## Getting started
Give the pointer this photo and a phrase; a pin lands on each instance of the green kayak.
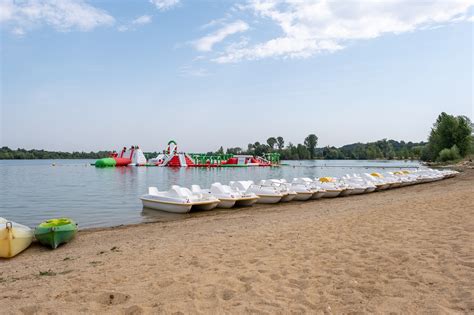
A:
(56, 231)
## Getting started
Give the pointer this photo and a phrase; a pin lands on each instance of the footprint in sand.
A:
(133, 310)
(112, 298)
(30, 310)
(228, 294)
(275, 277)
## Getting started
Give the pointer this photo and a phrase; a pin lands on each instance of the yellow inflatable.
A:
(376, 175)
(326, 179)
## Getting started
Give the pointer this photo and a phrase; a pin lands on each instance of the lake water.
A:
(32, 191)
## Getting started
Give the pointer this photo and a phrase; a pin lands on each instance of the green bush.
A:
(449, 154)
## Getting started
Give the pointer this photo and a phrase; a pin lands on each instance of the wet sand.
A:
(407, 250)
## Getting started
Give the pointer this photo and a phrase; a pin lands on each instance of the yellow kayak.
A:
(14, 238)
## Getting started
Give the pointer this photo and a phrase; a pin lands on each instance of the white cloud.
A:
(62, 15)
(141, 20)
(212, 23)
(315, 26)
(163, 5)
(207, 42)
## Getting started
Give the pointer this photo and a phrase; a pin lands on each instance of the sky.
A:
(100, 75)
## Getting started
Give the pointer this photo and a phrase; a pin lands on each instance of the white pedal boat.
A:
(317, 191)
(14, 238)
(227, 196)
(177, 200)
(266, 194)
(303, 192)
(360, 182)
(378, 180)
(282, 186)
(329, 184)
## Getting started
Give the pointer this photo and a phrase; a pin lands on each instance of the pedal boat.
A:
(330, 186)
(227, 197)
(266, 194)
(378, 180)
(317, 191)
(303, 192)
(177, 200)
(282, 187)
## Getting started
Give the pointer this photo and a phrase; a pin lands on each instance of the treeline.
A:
(382, 149)
(21, 154)
(451, 138)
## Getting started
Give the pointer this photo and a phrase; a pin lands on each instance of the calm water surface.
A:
(34, 190)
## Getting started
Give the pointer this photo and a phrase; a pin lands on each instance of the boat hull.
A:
(269, 198)
(246, 202)
(12, 244)
(288, 197)
(206, 206)
(303, 196)
(382, 187)
(55, 232)
(318, 195)
(346, 192)
(370, 189)
(226, 203)
(332, 193)
(55, 238)
(168, 207)
(358, 191)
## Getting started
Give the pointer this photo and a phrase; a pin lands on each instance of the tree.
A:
(260, 149)
(280, 143)
(235, 151)
(292, 153)
(302, 152)
(271, 142)
(310, 142)
(447, 131)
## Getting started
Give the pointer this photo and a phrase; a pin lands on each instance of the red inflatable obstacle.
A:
(132, 156)
(172, 158)
(120, 160)
(180, 160)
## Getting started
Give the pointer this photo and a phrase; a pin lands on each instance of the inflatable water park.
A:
(172, 157)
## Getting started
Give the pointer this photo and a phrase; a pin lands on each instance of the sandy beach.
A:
(407, 250)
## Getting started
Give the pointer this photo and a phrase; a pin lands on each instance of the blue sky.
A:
(90, 75)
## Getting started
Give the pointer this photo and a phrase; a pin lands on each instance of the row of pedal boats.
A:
(246, 193)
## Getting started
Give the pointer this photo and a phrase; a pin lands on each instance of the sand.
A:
(408, 250)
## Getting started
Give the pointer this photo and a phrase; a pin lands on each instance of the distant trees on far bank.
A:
(382, 149)
(21, 154)
(451, 138)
